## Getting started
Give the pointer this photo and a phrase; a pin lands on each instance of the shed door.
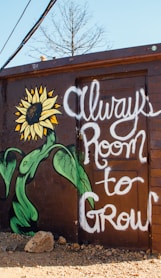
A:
(113, 141)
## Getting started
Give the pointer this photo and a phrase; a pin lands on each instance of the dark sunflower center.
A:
(33, 113)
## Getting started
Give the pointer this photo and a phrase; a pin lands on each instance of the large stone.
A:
(40, 242)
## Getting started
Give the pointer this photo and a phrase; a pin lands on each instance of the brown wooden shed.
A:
(80, 148)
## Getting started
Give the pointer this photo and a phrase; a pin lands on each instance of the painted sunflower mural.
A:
(37, 116)
(37, 113)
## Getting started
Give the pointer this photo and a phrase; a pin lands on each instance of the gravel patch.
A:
(73, 260)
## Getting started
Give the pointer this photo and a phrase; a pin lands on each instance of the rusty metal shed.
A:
(80, 148)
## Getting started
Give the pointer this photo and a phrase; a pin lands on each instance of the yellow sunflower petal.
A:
(57, 105)
(47, 113)
(17, 113)
(45, 131)
(50, 94)
(32, 92)
(28, 95)
(49, 103)
(22, 136)
(46, 123)
(25, 103)
(29, 137)
(18, 127)
(21, 119)
(35, 98)
(22, 110)
(32, 131)
(57, 111)
(41, 90)
(38, 129)
(23, 126)
(53, 120)
(26, 132)
(43, 97)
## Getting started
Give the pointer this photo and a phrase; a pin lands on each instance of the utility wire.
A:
(30, 33)
(14, 27)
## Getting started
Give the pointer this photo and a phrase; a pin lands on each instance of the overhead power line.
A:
(30, 33)
(14, 27)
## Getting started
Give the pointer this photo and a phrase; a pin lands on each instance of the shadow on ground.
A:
(65, 256)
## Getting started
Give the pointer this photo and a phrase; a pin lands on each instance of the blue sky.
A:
(128, 23)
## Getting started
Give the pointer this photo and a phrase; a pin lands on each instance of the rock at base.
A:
(62, 240)
(40, 242)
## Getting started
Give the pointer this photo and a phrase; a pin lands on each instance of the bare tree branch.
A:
(69, 33)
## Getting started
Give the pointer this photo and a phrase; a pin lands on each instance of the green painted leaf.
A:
(7, 168)
(16, 225)
(66, 163)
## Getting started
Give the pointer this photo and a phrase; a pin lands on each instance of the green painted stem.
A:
(25, 212)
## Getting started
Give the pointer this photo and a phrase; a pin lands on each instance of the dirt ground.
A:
(74, 261)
